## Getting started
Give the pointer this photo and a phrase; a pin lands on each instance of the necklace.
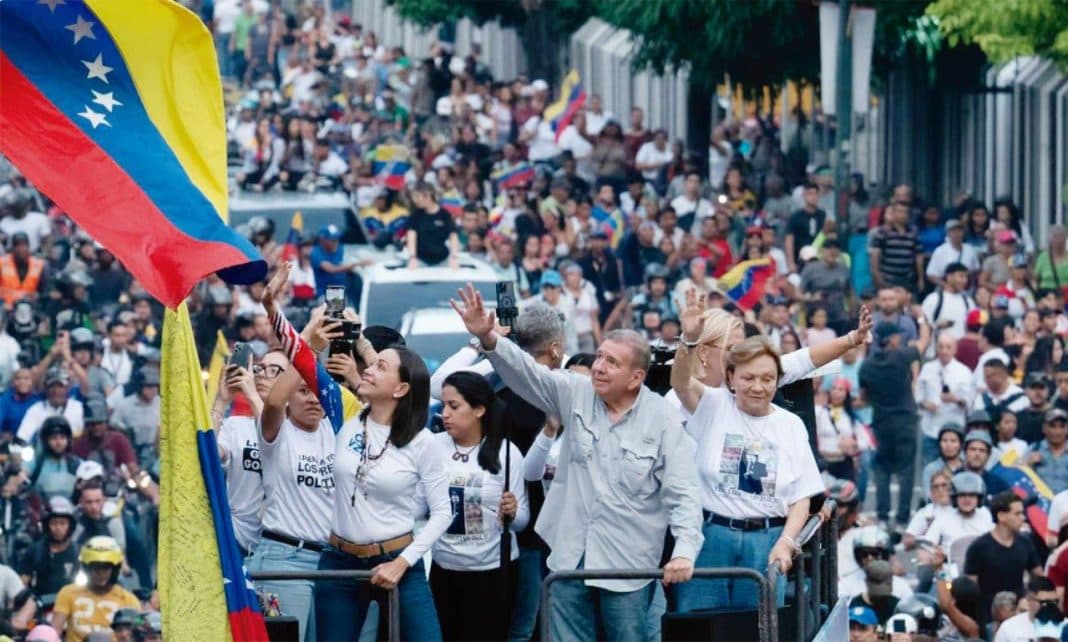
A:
(463, 456)
(367, 462)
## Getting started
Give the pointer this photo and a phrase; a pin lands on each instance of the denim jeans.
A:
(527, 595)
(579, 612)
(657, 608)
(863, 471)
(341, 605)
(728, 547)
(294, 596)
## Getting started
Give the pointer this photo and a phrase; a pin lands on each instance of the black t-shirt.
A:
(48, 571)
(1029, 425)
(999, 568)
(887, 381)
(805, 227)
(432, 234)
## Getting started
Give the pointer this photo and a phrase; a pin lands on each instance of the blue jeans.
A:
(527, 595)
(863, 468)
(294, 596)
(657, 608)
(580, 612)
(727, 547)
(341, 605)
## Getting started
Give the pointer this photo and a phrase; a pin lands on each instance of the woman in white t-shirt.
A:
(384, 456)
(837, 431)
(757, 470)
(485, 487)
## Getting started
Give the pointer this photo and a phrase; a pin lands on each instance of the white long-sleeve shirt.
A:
(934, 375)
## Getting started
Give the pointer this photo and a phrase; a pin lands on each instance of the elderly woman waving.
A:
(757, 471)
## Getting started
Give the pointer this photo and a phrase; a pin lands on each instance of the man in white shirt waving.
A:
(944, 391)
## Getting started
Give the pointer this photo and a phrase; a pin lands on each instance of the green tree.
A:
(1005, 29)
(543, 25)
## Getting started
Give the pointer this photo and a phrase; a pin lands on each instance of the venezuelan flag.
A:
(1026, 484)
(390, 164)
(611, 223)
(744, 283)
(452, 203)
(204, 590)
(572, 98)
(521, 173)
(113, 108)
(393, 221)
(291, 250)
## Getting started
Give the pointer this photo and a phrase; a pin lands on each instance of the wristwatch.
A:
(475, 344)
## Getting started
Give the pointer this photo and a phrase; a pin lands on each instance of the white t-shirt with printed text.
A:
(298, 480)
(240, 441)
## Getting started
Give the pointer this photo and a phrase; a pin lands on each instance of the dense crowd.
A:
(928, 338)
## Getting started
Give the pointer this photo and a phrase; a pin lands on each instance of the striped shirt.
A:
(897, 254)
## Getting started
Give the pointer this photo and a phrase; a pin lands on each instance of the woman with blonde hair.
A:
(719, 330)
(756, 469)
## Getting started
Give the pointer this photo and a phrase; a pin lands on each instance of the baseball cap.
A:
(879, 578)
(979, 435)
(955, 267)
(953, 224)
(551, 278)
(96, 412)
(976, 319)
(539, 85)
(1055, 414)
(807, 253)
(1005, 236)
(1001, 301)
(89, 469)
(331, 232)
(1035, 379)
(863, 615)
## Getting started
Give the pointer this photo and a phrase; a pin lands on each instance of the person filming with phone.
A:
(630, 476)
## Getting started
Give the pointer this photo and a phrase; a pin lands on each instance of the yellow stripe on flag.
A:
(190, 573)
(215, 367)
(558, 107)
(183, 97)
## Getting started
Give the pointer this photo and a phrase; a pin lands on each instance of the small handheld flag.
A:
(745, 283)
(572, 98)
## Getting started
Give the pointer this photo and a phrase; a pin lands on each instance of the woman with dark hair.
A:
(837, 431)
(976, 226)
(262, 159)
(487, 495)
(384, 457)
(298, 150)
(1046, 356)
(609, 157)
(1008, 215)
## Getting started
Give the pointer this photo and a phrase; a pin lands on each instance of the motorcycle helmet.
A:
(261, 226)
(843, 492)
(923, 608)
(58, 507)
(871, 541)
(967, 483)
(126, 617)
(55, 425)
(150, 628)
(655, 271)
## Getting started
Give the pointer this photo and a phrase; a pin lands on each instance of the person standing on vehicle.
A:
(630, 475)
(432, 238)
(330, 267)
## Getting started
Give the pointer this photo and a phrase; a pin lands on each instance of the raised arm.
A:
(549, 391)
(685, 385)
(827, 352)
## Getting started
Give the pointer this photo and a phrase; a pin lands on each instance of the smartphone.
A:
(507, 308)
(335, 301)
(240, 357)
(945, 389)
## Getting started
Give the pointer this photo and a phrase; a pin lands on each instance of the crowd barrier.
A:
(814, 580)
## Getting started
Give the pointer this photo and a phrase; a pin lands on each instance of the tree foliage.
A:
(1005, 29)
(566, 15)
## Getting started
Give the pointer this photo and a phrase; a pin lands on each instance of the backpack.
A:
(995, 409)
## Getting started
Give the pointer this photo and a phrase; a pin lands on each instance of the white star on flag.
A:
(51, 4)
(94, 118)
(97, 68)
(107, 101)
(82, 29)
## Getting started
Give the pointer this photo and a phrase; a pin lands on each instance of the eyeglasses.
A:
(270, 371)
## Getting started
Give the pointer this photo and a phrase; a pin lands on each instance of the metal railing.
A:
(393, 616)
(767, 623)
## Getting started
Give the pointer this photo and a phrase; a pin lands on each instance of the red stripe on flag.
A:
(72, 170)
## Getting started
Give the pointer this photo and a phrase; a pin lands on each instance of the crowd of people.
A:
(638, 413)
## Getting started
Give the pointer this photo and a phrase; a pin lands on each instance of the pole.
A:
(843, 115)
(506, 522)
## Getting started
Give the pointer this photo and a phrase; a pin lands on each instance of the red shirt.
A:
(112, 452)
(724, 262)
(1057, 571)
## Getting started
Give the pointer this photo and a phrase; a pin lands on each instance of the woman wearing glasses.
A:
(240, 401)
(301, 416)
(384, 460)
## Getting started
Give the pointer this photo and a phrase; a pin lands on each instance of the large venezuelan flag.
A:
(1027, 485)
(204, 591)
(744, 283)
(113, 108)
(572, 98)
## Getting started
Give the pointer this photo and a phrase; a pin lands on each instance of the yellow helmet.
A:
(101, 550)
